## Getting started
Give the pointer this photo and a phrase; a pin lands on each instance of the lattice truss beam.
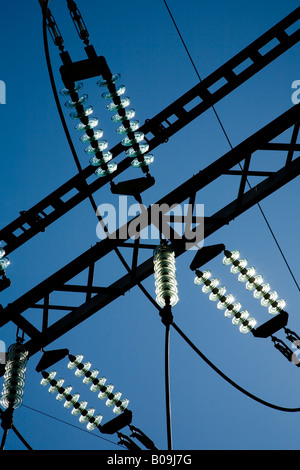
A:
(157, 130)
(97, 297)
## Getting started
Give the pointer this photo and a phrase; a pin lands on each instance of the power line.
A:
(167, 387)
(231, 146)
(231, 382)
(69, 424)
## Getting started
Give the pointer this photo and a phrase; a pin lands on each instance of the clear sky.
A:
(125, 341)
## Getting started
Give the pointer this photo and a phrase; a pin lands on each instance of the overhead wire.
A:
(167, 388)
(230, 381)
(69, 424)
(231, 146)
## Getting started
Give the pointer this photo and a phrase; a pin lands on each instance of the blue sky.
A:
(125, 341)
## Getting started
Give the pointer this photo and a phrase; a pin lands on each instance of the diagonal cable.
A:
(167, 387)
(231, 382)
(229, 142)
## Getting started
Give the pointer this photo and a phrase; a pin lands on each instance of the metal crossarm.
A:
(186, 191)
(158, 130)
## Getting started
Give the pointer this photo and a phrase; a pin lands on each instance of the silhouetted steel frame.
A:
(157, 130)
(188, 189)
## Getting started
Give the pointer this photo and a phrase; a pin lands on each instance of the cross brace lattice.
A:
(186, 191)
